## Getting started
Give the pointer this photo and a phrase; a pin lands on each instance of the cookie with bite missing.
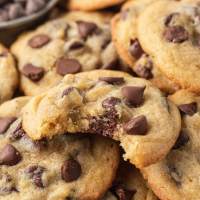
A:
(169, 32)
(88, 5)
(63, 167)
(177, 176)
(109, 103)
(8, 74)
(125, 37)
(76, 42)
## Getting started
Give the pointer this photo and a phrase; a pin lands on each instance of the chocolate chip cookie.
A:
(130, 185)
(65, 167)
(108, 103)
(169, 32)
(124, 32)
(8, 75)
(88, 5)
(76, 42)
(177, 176)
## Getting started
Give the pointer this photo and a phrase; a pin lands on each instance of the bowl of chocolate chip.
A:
(17, 15)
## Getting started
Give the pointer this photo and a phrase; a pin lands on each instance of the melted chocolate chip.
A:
(110, 102)
(135, 49)
(113, 80)
(86, 28)
(17, 133)
(9, 155)
(5, 122)
(136, 126)
(67, 66)
(76, 45)
(39, 41)
(67, 91)
(176, 34)
(124, 194)
(143, 71)
(189, 109)
(169, 18)
(35, 172)
(70, 170)
(133, 95)
(182, 140)
(105, 124)
(32, 72)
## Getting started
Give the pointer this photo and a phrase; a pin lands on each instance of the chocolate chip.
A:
(113, 80)
(33, 6)
(137, 126)
(124, 194)
(32, 72)
(9, 155)
(86, 28)
(133, 95)
(189, 109)
(175, 34)
(135, 49)
(76, 45)
(110, 102)
(169, 18)
(105, 124)
(143, 71)
(70, 170)
(17, 133)
(3, 15)
(67, 66)
(35, 172)
(15, 11)
(5, 122)
(182, 140)
(67, 91)
(39, 41)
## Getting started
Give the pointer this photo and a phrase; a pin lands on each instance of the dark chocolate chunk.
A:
(18, 132)
(67, 66)
(76, 45)
(110, 102)
(113, 80)
(136, 126)
(70, 170)
(5, 122)
(135, 49)
(39, 41)
(9, 155)
(176, 34)
(32, 72)
(189, 109)
(67, 91)
(86, 28)
(133, 95)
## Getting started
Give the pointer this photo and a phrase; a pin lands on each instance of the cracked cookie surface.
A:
(179, 172)
(108, 103)
(125, 37)
(65, 167)
(171, 36)
(78, 41)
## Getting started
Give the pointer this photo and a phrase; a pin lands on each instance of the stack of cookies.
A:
(103, 103)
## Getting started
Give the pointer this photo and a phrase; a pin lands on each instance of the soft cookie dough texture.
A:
(65, 167)
(108, 103)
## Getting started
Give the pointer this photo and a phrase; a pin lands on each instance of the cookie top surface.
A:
(130, 184)
(125, 37)
(76, 42)
(169, 31)
(108, 103)
(179, 172)
(8, 75)
(88, 5)
(65, 167)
